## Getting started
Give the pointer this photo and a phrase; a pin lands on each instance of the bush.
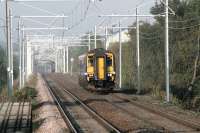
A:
(28, 92)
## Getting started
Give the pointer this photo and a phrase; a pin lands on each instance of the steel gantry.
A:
(166, 15)
(22, 43)
(62, 44)
(22, 47)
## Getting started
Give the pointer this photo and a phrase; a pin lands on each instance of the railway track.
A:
(15, 117)
(188, 123)
(69, 117)
(159, 120)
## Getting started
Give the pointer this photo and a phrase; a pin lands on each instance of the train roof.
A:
(97, 52)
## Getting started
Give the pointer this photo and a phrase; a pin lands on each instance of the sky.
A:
(77, 10)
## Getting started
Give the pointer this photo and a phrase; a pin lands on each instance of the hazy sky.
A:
(75, 9)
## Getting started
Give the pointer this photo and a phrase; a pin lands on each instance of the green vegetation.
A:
(3, 70)
(184, 54)
(3, 73)
(28, 92)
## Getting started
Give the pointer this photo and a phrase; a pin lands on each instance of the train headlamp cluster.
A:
(109, 74)
(88, 74)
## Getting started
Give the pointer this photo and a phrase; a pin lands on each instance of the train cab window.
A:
(109, 61)
(90, 61)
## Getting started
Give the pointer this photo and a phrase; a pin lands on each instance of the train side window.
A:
(109, 61)
(90, 61)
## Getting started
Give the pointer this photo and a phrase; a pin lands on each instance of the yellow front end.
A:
(101, 68)
(90, 67)
(110, 66)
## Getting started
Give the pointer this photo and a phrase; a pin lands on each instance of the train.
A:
(97, 70)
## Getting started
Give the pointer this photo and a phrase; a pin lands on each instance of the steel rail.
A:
(61, 109)
(90, 111)
(101, 120)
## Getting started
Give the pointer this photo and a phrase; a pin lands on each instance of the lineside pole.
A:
(67, 49)
(106, 37)
(95, 37)
(32, 59)
(20, 54)
(167, 50)
(11, 52)
(22, 50)
(138, 52)
(120, 57)
(7, 11)
(56, 61)
(10, 91)
(89, 42)
(23, 60)
(64, 60)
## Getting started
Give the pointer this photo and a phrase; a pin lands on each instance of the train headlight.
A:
(109, 75)
(85, 74)
(113, 73)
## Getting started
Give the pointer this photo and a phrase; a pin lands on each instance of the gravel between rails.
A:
(124, 121)
(46, 113)
(83, 120)
(99, 102)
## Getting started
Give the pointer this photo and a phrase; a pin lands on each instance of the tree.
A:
(184, 33)
(3, 73)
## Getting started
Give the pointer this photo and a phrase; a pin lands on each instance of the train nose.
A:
(101, 68)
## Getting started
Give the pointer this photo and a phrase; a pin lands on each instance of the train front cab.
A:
(110, 67)
(90, 67)
(100, 70)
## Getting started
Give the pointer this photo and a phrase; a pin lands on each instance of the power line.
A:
(150, 38)
(35, 21)
(82, 19)
(150, 33)
(184, 28)
(37, 8)
(184, 21)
